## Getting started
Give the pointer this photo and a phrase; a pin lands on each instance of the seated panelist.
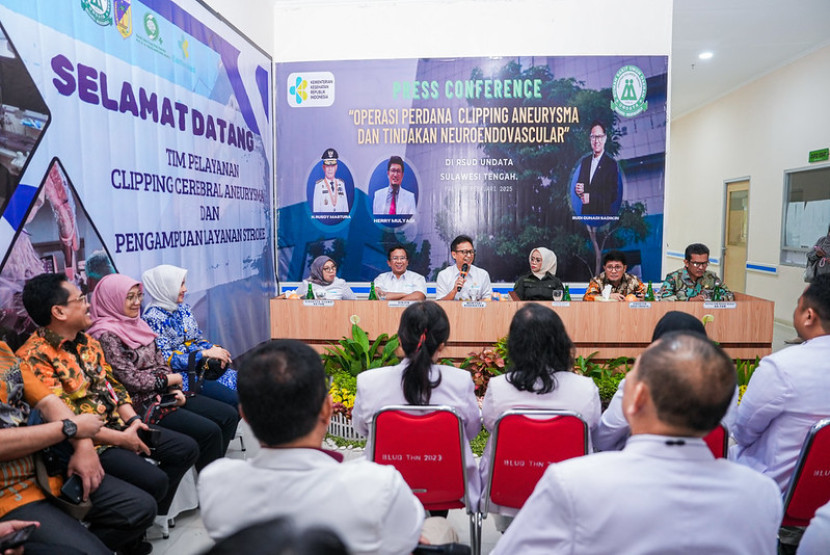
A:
(540, 283)
(693, 282)
(324, 281)
(614, 274)
(462, 281)
(400, 284)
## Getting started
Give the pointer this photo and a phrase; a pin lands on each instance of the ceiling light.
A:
(705, 55)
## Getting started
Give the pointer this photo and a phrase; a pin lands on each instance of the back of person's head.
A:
(423, 329)
(690, 379)
(281, 537)
(41, 293)
(675, 320)
(460, 239)
(817, 297)
(282, 386)
(614, 256)
(696, 248)
(539, 346)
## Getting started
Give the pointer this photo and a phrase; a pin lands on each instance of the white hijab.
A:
(162, 285)
(548, 262)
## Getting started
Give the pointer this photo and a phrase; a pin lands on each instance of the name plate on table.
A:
(399, 304)
(474, 304)
(318, 302)
(639, 304)
(561, 303)
(720, 304)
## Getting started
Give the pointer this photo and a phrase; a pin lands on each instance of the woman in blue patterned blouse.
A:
(179, 334)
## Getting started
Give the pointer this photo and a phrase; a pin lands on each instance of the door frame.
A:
(724, 231)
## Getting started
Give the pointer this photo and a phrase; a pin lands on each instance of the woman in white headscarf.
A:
(541, 282)
(179, 334)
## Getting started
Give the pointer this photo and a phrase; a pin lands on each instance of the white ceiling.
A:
(749, 38)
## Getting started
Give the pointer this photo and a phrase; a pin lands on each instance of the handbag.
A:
(76, 510)
(209, 369)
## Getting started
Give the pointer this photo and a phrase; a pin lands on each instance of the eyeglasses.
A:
(534, 259)
(699, 264)
(597, 137)
(331, 268)
(397, 258)
(614, 268)
(135, 298)
(466, 252)
(81, 299)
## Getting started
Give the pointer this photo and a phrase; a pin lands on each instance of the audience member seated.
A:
(541, 282)
(788, 392)
(614, 275)
(281, 537)
(540, 376)
(816, 538)
(463, 281)
(284, 397)
(417, 380)
(400, 284)
(178, 332)
(120, 512)
(130, 349)
(72, 365)
(665, 492)
(613, 429)
(324, 281)
(693, 282)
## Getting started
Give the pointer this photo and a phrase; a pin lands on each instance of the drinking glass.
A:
(557, 295)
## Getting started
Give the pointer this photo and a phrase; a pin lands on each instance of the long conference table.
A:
(742, 327)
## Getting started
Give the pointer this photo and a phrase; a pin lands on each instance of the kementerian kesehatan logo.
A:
(310, 89)
(99, 10)
(151, 27)
(629, 90)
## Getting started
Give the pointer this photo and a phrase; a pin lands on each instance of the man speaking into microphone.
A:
(463, 281)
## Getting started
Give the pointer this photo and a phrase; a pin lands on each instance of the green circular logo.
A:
(629, 90)
(99, 10)
(151, 26)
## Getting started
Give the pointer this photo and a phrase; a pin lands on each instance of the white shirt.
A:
(573, 392)
(338, 289)
(788, 393)
(613, 428)
(368, 505)
(409, 282)
(380, 387)
(405, 203)
(816, 540)
(323, 196)
(476, 287)
(649, 498)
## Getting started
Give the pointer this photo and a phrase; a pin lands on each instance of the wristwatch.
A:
(69, 429)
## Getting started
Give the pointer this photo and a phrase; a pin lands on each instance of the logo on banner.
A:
(99, 10)
(151, 27)
(310, 90)
(629, 90)
(124, 17)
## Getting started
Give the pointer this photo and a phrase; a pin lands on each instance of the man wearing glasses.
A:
(615, 275)
(400, 284)
(463, 281)
(596, 185)
(394, 199)
(694, 282)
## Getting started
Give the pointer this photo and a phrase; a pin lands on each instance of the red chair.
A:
(810, 484)
(525, 443)
(718, 441)
(426, 444)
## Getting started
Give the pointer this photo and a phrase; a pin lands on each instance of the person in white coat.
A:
(665, 492)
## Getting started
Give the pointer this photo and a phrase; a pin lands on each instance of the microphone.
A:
(464, 268)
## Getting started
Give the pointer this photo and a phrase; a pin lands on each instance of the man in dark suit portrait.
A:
(596, 185)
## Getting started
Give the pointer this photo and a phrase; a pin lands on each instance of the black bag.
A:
(209, 369)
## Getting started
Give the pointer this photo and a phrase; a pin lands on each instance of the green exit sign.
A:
(819, 155)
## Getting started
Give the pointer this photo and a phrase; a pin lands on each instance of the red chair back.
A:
(525, 443)
(426, 445)
(810, 485)
(718, 441)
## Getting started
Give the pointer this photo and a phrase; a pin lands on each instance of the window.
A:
(806, 212)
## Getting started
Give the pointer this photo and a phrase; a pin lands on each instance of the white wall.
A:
(758, 131)
(254, 18)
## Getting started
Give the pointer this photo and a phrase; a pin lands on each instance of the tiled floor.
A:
(190, 538)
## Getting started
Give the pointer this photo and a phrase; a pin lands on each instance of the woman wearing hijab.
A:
(130, 348)
(324, 281)
(178, 332)
(540, 283)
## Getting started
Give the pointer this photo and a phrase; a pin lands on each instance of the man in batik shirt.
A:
(693, 282)
(614, 274)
